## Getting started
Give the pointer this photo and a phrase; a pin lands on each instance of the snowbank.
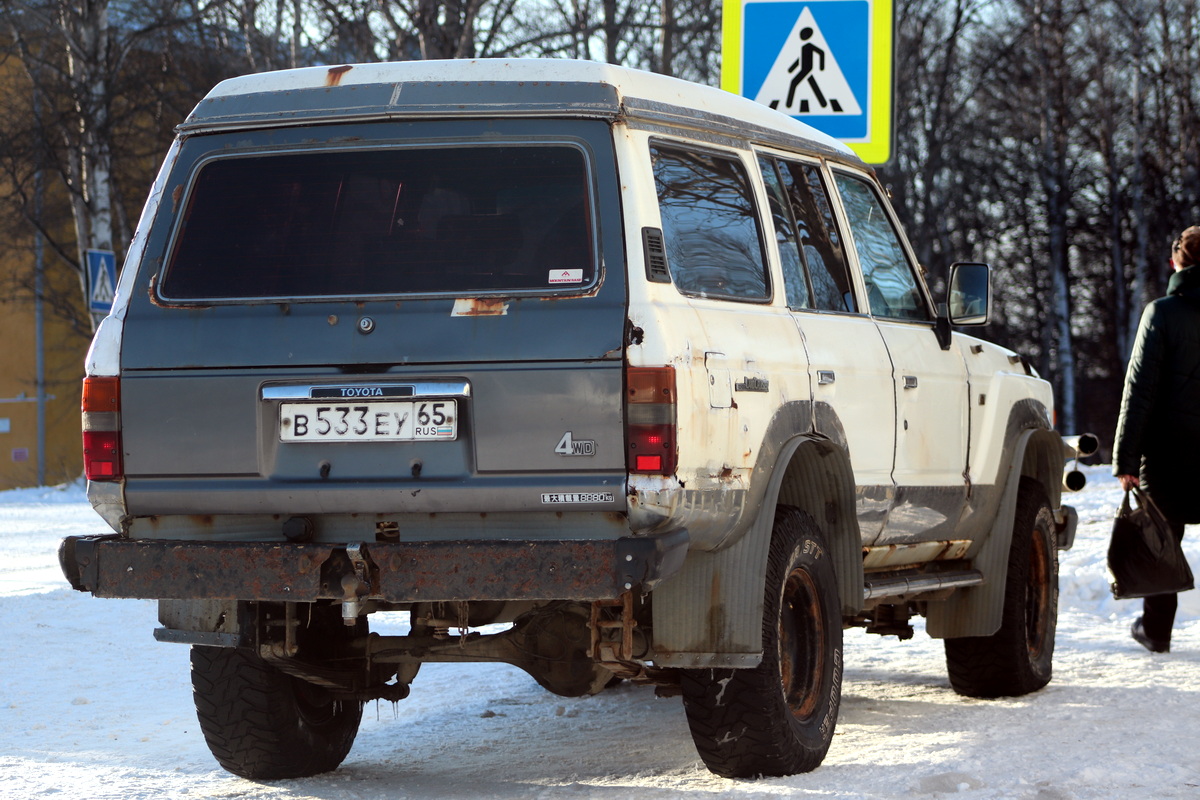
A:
(92, 707)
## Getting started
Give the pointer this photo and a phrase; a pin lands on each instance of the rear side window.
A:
(710, 226)
(445, 220)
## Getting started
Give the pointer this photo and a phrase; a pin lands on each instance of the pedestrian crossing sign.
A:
(101, 280)
(826, 62)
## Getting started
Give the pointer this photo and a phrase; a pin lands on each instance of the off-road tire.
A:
(263, 724)
(1017, 659)
(778, 718)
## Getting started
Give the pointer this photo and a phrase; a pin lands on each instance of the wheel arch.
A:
(1042, 460)
(1035, 450)
(818, 480)
(710, 613)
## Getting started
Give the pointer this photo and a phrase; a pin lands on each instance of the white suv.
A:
(642, 369)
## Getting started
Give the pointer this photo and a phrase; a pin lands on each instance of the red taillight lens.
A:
(650, 420)
(102, 455)
(648, 464)
(102, 429)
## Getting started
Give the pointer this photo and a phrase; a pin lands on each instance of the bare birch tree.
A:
(73, 58)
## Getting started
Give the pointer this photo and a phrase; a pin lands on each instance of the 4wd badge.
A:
(568, 445)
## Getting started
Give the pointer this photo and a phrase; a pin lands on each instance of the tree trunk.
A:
(1050, 31)
(666, 56)
(1120, 289)
(1141, 222)
(612, 32)
(85, 31)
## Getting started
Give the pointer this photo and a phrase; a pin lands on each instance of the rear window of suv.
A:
(406, 220)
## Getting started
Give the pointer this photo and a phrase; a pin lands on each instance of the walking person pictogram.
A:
(806, 77)
(808, 53)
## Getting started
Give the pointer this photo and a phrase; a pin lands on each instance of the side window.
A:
(817, 233)
(794, 281)
(892, 287)
(710, 228)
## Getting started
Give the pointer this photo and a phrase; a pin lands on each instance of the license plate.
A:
(391, 421)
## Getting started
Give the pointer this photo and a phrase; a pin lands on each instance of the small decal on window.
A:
(566, 276)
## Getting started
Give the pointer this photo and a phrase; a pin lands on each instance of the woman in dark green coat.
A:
(1157, 444)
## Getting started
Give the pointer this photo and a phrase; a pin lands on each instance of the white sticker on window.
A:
(566, 276)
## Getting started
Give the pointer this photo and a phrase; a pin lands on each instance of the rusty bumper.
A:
(109, 566)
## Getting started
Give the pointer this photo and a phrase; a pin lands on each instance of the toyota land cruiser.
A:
(640, 375)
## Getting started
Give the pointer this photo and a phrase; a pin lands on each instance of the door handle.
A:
(825, 377)
(910, 381)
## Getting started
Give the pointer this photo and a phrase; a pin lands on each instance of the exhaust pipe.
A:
(1081, 446)
(1075, 448)
(1074, 480)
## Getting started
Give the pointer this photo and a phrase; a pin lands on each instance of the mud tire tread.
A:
(253, 722)
(1001, 665)
(740, 721)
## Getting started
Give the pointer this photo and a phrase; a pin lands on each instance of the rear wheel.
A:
(778, 718)
(262, 723)
(1017, 659)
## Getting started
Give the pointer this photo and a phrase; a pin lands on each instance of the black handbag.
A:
(1144, 556)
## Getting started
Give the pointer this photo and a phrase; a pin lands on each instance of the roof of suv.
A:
(475, 87)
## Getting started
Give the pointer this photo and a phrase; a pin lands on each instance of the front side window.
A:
(893, 290)
(710, 226)
(816, 235)
(442, 220)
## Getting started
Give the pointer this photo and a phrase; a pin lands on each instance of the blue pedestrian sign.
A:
(102, 281)
(826, 62)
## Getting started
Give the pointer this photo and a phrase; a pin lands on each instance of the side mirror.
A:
(969, 301)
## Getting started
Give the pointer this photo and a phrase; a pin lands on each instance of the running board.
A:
(920, 584)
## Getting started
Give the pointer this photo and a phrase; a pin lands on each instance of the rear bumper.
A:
(109, 566)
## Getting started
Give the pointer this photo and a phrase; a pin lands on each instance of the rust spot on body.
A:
(334, 76)
(480, 307)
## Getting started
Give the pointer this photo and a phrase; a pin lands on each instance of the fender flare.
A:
(979, 610)
(710, 613)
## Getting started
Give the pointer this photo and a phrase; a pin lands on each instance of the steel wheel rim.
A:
(1037, 596)
(801, 644)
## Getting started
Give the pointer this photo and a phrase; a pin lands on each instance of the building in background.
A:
(22, 460)
(32, 450)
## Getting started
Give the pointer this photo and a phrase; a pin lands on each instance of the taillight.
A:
(102, 429)
(650, 420)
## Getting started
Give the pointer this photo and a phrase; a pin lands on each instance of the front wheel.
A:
(1016, 659)
(778, 718)
(263, 724)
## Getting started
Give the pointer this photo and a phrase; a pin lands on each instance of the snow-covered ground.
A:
(92, 707)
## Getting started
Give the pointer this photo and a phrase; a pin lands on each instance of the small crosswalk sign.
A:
(826, 62)
(102, 280)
